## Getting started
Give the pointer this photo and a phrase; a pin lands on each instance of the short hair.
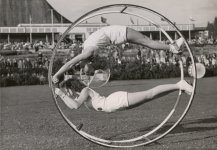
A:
(74, 84)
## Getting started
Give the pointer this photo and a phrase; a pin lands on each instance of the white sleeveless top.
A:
(95, 101)
(115, 34)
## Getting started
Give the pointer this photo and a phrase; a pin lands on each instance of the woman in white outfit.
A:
(114, 34)
(121, 100)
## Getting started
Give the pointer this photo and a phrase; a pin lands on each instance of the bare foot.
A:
(183, 85)
(175, 47)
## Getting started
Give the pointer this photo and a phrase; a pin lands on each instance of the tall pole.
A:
(160, 35)
(100, 22)
(8, 38)
(176, 36)
(189, 23)
(189, 26)
(52, 26)
(151, 37)
(30, 31)
(61, 20)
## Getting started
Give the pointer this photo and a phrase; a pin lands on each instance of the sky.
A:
(178, 11)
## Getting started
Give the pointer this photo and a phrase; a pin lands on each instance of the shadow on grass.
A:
(189, 126)
(199, 125)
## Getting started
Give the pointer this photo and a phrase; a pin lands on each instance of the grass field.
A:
(30, 120)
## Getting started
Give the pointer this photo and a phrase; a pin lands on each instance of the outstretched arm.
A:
(71, 63)
(73, 103)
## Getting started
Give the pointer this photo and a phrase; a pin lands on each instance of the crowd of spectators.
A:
(24, 71)
(40, 44)
(160, 64)
(36, 45)
(202, 41)
(17, 46)
(132, 53)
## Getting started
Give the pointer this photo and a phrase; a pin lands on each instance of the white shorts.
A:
(114, 34)
(116, 101)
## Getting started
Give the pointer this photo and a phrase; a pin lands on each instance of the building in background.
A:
(27, 23)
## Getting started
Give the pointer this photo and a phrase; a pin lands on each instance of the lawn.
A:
(30, 120)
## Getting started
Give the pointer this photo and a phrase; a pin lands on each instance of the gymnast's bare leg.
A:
(136, 37)
(138, 98)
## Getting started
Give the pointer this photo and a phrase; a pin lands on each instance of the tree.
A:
(212, 28)
(215, 28)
